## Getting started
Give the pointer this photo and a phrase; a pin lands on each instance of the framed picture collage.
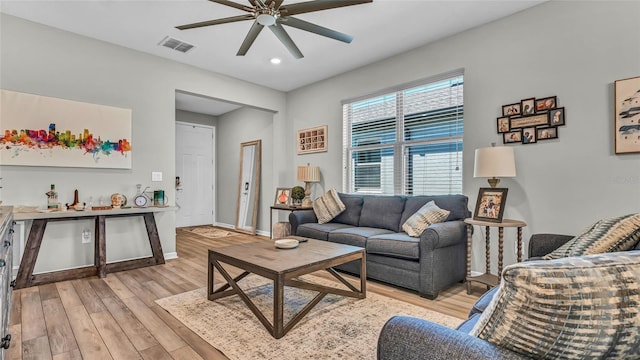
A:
(531, 120)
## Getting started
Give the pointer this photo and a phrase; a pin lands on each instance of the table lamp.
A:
(308, 174)
(494, 162)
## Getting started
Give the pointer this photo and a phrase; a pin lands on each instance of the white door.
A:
(194, 167)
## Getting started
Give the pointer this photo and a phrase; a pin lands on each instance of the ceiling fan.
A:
(273, 14)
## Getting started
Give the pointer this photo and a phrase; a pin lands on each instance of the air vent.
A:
(176, 44)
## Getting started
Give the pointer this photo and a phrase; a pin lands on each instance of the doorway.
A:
(195, 171)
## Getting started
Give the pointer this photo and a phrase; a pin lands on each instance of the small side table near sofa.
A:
(487, 278)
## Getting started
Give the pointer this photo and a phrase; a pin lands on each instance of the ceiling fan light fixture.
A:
(266, 19)
(275, 61)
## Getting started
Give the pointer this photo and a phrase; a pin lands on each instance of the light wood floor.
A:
(116, 317)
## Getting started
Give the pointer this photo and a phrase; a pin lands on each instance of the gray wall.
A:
(45, 61)
(574, 50)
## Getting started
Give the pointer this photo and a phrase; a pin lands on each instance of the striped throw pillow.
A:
(571, 308)
(328, 206)
(428, 214)
(607, 235)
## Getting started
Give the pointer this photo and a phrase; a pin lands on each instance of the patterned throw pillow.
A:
(572, 308)
(328, 206)
(607, 235)
(429, 214)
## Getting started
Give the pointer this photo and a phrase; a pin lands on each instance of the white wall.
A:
(45, 61)
(574, 50)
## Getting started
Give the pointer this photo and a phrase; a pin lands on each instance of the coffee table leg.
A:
(363, 275)
(278, 307)
(210, 277)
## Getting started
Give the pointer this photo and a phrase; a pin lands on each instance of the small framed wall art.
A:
(627, 115)
(312, 140)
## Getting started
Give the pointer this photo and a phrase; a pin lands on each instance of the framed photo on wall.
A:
(627, 115)
(312, 140)
(490, 204)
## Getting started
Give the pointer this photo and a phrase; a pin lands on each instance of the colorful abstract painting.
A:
(44, 131)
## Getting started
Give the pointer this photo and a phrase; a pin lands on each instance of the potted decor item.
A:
(297, 194)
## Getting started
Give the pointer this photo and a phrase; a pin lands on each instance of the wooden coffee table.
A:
(284, 266)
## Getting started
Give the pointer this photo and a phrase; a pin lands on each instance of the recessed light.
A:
(275, 61)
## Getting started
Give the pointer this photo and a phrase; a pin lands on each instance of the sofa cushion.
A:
(318, 231)
(457, 204)
(351, 215)
(571, 308)
(356, 236)
(328, 206)
(481, 304)
(607, 235)
(382, 212)
(397, 245)
(468, 325)
(429, 214)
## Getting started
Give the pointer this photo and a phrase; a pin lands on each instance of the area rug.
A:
(211, 232)
(338, 327)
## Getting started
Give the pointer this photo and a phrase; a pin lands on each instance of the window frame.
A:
(400, 146)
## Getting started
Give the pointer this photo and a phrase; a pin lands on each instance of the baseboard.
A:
(232, 227)
(171, 255)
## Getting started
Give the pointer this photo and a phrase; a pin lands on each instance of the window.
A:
(406, 140)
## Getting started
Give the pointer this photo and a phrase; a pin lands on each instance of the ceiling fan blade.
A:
(233, 4)
(216, 22)
(276, 3)
(309, 6)
(250, 38)
(282, 35)
(316, 29)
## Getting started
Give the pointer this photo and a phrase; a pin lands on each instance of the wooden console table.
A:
(487, 278)
(26, 278)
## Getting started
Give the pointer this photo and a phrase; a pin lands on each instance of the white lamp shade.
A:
(496, 161)
(309, 173)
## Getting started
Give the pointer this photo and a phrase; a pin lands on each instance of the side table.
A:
(286, 208)
(487, 278)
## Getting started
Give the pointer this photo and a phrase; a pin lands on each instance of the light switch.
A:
(156, 176)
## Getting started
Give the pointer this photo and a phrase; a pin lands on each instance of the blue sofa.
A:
(426, 264)
(409, 338)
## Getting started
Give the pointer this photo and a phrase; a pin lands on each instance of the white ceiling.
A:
(380, 29)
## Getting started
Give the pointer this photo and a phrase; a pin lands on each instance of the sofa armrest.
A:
(542, 244)
(408, 338)
(300, 217)
(444, 234)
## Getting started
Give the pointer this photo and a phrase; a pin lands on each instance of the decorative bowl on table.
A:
(286, 243)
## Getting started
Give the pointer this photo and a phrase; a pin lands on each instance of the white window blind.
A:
(406, 141)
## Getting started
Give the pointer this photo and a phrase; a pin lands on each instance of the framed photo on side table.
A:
(283, 197)
(627, 115)
(490, 204)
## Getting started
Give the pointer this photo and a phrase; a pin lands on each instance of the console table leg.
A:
(31, 250)
(154, 238)
(100, 250)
